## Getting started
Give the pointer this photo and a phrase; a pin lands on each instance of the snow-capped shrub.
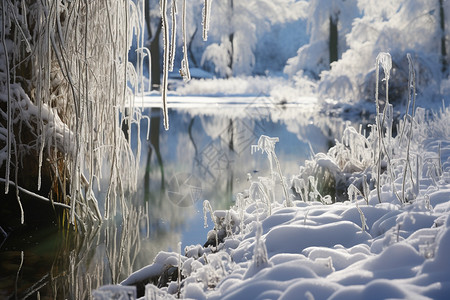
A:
(313, 58)
(384, 29)
(398, 27)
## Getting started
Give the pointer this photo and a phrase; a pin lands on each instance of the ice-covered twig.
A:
(165, 26)
(267, 145)
(384, 59)
(205, 18)
(207, 208)
(173, 44)
(184, 70)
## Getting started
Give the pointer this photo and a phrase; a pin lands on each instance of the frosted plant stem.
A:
(390, 172)
(386, 62)
(206, 17)
(363, 219)
(411, 85)
(377, 105)
(173, 44)
(179, 270)
(184, 71)
(18, 271)
(283, 184)
(207, 208)
(366, 189)
(9, 103)
(441, 170)
(166, 62)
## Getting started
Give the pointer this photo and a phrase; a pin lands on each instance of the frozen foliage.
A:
(366, 29)
(67, 91)
(267, 145)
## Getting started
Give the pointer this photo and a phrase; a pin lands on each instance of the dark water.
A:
(206, 154)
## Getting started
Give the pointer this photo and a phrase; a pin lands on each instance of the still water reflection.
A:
(206, 154)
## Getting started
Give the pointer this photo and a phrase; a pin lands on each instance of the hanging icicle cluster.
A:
(66, 95)
(63, 87)
(184, 70)
(169, 47)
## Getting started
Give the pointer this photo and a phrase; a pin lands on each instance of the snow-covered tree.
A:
(364, 29)
(235, 28)
(328, 24)
(398, 27)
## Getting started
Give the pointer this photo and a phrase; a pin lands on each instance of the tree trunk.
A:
(333, 38)
(231, 39)
(153, 45)
(443, 47)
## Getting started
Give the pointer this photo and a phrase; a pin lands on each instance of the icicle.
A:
(166, 62)
(16, 178)
(205, 18)
(184, 70)
(173, 44)
(9, 109)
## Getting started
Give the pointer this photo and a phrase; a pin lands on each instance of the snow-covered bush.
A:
(235, 30)
(369, 27)
(313, 58)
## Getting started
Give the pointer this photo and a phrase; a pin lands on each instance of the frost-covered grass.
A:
(387, 237)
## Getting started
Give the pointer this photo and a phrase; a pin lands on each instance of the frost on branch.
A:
(64, 99)
(205, 18)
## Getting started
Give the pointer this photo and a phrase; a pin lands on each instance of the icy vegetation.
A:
(388, 235)
(67, 93)
(62, 91)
